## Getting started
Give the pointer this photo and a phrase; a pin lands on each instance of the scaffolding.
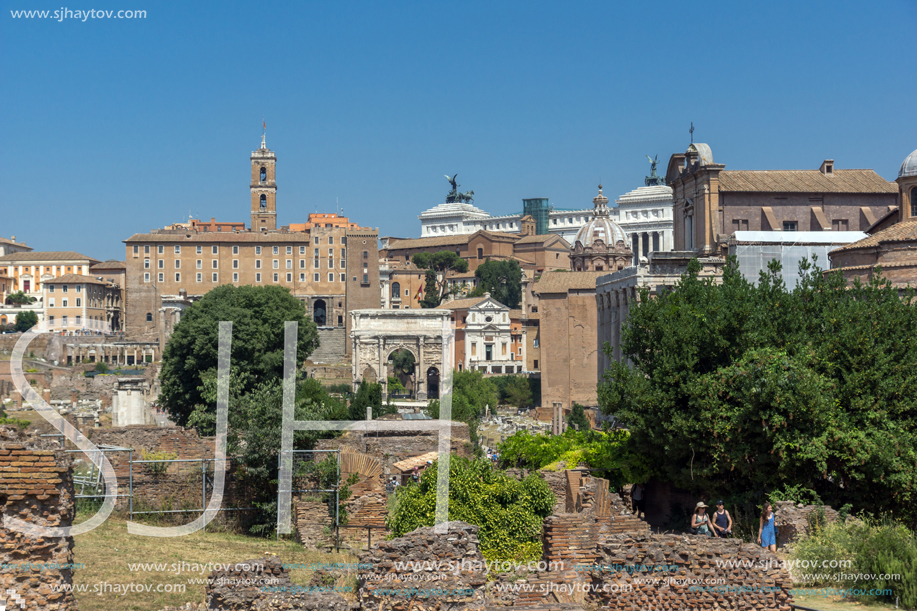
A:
(539, 210)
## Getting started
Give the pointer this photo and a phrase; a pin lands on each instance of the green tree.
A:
(751, 388)
(25, 321)
(369, 394)
(19, 298)
(403, 362)
(472, 393)
(578, 418)
(258, 315)
(508, 511)
(503, 280)
(437, 265)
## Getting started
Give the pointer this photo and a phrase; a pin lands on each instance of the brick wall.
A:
(36, 486)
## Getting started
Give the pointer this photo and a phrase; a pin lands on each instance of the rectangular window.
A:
(789, 226)
(235, 277)
(330, 263)
(302, 277)
(315, 240)
(343, 252)
(51, 302)
(146, 250)
(177, 263)
(276, 250)
(64, 303)
(315, 277)
(215, 249)
(343, 264)
(146, 277)
(276, 277)
(235, 250)
(289, 263)
(257, 250)
(161, 277)
(365, 278)
(316, 253)
(177, 277)
(161, 263)
(50, 288)
(839, 225)
(200, 264)
(79, 288)
(289, 277)
(315, 263)
(64, 289)
(257, 263)
(51, 318)
(330, 252)
(504, 349)
(302, 264)
(331, 239)
(214, 263)
(136, 249)
(79, 319)
(302, 250)
(257, 277)
(160, 249)
(215, 276)
(178, 250)
(289, 250)
(474, 349)
(146, 264)
(535, 344)
(275, 263)
(740, 224)
(365, 254)
(343, 278)
(199, 249)
(200, 277)
(330, 277)
(64, 321)
(407, 293)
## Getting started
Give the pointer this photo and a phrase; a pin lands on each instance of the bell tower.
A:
(264, 189)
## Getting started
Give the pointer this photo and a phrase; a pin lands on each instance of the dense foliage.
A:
(258, 315)
(472, 393)
(502, 279)
(518, 391)
(437, 264)
(508, 511)
(875, 547)
(19, 298)
(369, 394)
(611, 451)
(25, 321)
(744, 389)
(578, 418)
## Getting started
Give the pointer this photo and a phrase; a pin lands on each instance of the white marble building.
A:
(645, 215)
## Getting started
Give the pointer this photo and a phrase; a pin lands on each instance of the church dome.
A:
(908, 166)
(601, 227)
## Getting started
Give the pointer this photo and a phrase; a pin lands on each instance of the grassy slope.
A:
(106, 552)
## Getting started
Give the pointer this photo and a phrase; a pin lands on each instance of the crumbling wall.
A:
(792, 520)
(35, 486)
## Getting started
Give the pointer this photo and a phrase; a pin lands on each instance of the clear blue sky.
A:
(113, 127)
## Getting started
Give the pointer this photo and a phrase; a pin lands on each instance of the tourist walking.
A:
(722, 521)
(700, 522)
(767, 531)
(636, 495)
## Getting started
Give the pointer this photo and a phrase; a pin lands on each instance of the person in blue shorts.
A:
(767, 532)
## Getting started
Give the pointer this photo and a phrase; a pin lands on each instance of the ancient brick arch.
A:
(376, 334)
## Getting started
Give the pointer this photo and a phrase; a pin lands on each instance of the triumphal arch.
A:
(377, 334)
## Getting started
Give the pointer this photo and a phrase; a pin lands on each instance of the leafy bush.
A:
(101, 367)
(609, 451)
(18, 423)
(875, 547)
(157, 468)
(509, 512)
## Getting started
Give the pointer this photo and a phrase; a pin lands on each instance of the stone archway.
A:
(377, 334)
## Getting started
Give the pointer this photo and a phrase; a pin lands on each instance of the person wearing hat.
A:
(700, 523)
(722, 521)
(415, 475)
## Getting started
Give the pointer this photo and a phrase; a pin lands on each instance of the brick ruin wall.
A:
(36, 486)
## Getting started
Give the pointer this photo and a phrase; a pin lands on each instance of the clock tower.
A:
(264, 189)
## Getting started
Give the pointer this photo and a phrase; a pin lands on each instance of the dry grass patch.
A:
(108, 552)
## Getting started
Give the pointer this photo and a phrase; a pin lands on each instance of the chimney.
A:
(13, 239)
(827, 167)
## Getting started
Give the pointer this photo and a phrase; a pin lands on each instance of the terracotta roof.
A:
(109, 264)
(76, 279)
(47, 256)
(19, 244)
(905, 231)
(541, 239)
(461, 304)
(805, 181)
(209, 237)
(448, 240)
(561, 282)
(408, 464)
(882, 265)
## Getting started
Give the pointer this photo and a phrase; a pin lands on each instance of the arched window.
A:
(396, 290)
(318, 312)
(263, 200)
(480, 253)
(263, 174)
(149, 317)
(914, 201)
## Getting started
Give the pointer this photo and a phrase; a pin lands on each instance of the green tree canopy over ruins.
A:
(258, 315)
(503, 280)
(742, 389)
(437, 264)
